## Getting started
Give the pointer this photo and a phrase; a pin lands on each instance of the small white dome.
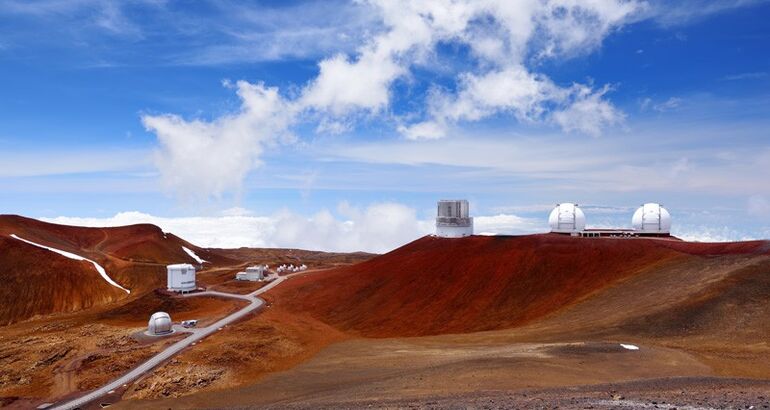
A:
(652, 218)
(567, 217)
(160, 323)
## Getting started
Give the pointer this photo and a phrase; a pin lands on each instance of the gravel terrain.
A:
(669, 393)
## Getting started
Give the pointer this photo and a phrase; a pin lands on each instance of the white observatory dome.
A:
(652, 218)
(567, 218)
(159, 324)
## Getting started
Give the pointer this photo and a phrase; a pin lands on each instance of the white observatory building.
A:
(652, 219)
(453, 219)
(567, 218)
(181, 277)
(159, 324)
(252, 273)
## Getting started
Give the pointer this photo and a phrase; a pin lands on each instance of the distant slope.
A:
(38, 281)
(435, 285)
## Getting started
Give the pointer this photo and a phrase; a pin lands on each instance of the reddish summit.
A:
(436, 285)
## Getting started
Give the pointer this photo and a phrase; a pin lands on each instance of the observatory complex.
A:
(181, 278)
(453, 219)
(650, 220)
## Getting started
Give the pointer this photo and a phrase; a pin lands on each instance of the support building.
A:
(181, 278)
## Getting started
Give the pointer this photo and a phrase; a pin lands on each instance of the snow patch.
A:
(629, 347)
(70, 255)
(193, 255)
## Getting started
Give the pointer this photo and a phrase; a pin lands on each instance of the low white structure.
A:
(252, 273)
(453, 219)
(159, 324)
(291, 268)
(181, 277)
(651, 218)
(567, 218)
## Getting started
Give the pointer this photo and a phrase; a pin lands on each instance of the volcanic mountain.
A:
(437, 286)
(41, 273)
(498, 313)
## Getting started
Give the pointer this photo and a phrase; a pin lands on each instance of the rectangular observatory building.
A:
(181, 277)
(453, 219)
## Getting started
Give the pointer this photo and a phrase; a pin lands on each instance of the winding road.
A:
(195, 335)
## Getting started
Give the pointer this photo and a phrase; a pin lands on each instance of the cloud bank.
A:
(379, 227)
(376, 228)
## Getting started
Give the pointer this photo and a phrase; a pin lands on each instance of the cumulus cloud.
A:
(502, 39)
(504, 42)
(204, 158)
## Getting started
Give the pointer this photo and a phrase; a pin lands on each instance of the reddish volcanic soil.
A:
(435, 285)
(435, 322)
(501, 314)
(37, 281)
(64, 329)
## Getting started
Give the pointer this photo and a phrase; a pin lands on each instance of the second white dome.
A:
(651, 218)
(567, 217)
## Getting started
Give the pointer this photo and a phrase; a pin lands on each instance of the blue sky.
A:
(308, 121)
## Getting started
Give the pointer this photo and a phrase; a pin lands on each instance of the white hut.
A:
(252, 273)
(181, 277)
(159, 324)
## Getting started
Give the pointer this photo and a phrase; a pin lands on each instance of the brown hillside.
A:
(134, 243)
(37, 281)
(435, 285)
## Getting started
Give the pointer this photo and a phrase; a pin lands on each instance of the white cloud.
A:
(501, 37)
(379, 227)
(709, 234)
(199, 158)
(640, 162)
(668, 105)
(671, 104)
(259, 32)
(746, 76)
(343, 85)
(674, 13)
(506, 46)
(508, 224)
(104, 15)
(588, 113)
